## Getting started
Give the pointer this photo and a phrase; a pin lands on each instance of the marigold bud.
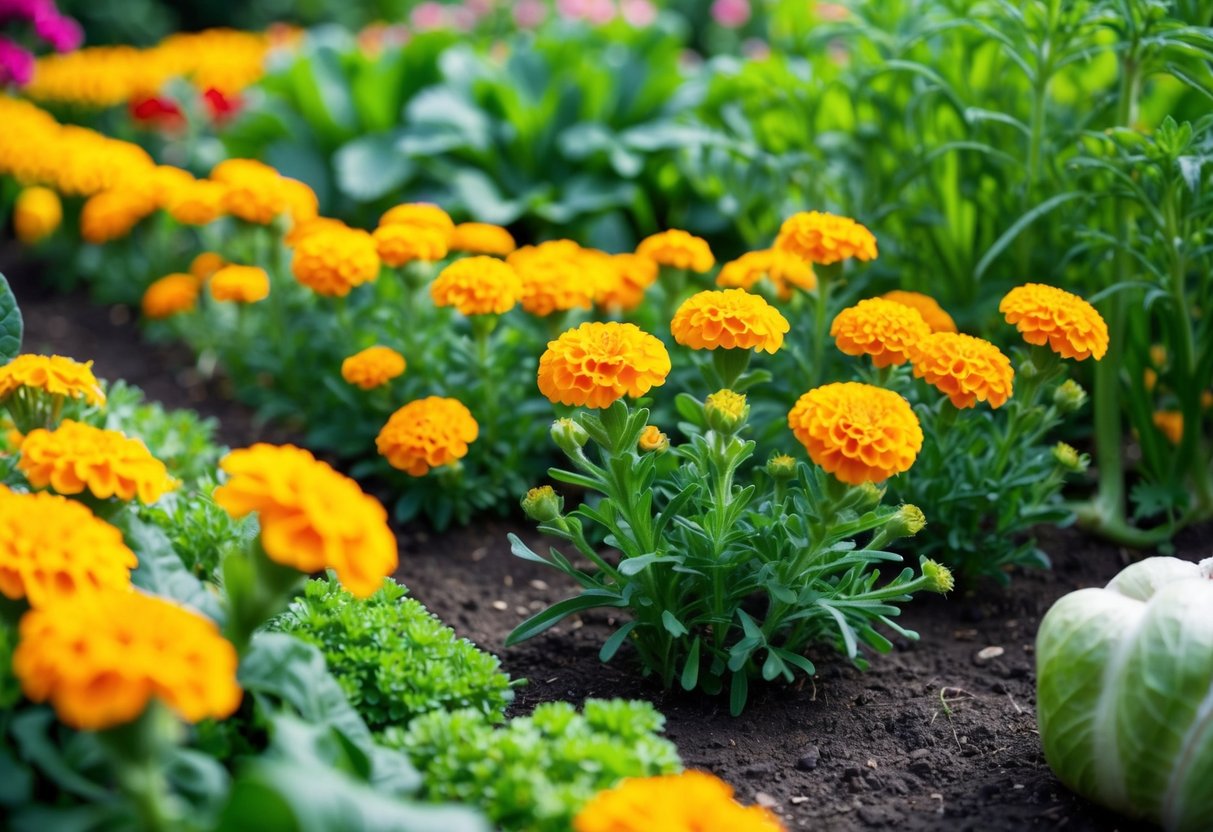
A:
(906, 522)
(652, 440)
(1070, 459)
(1069, 396)
(939, 575)
(781, 467)
(542, 504)
(569, 436)
(726, 411)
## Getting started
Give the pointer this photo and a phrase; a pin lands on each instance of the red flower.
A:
(157, 113)
(221, 107)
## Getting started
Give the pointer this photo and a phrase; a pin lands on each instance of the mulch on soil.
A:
(939, 734)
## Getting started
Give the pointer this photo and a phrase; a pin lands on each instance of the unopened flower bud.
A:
(871, 493)
(1069, 396)
(569, 436)
(726, 411)
(906, 522)
(542, 504)
(1070, 459)
(652, 440)
(781, 467)
(939, 575)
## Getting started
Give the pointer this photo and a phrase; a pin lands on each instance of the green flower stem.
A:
(730, 365)
(257, 590)
(827, 276)
(138, 751)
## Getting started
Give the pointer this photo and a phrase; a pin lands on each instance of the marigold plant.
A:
(427, 433)
(170, 295)
(311, 516)
(1046, 315)
(729, 319)
(206, 264)
(52, 548)
(482, 238)
(478, 285)
(240, 284)
(419, 215)
(693, 801)
(964, 368)
(653, 440)
(111, 215)
(373, 367)
(332, 261)
(677, 249)
(628, 277)
(857, 432)
(886, 331)
(401, 243)
(825, 238)
(54, 375)
(76, 457)
(101, 657)
(36, 214)
(935, 315)
(599, 363)
(551, 278)
(199, 203)
(782, 270)
(254, 191)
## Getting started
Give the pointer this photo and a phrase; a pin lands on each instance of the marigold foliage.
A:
(170, 295)
(677, 249)
(825, 238)
(729, 319)
(887, 331)
(52, 548)
(482, 238)
(36, 214)
(782, 270)
(373, 367)
(240, 284)
(75, 458)
(693, 801)
(312, 517)
(52, 374)
(553, 278)
(596, 364)
(935, 315)
(478, 285)
(99, 658)
(1069, 325)
(427, 433)
(334, 259)
(857, 432)
(964, 368)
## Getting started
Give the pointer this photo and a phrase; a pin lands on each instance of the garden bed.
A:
(937, 734)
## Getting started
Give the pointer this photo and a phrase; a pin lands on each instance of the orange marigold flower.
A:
(964, 368)
(111, 215)
(677, 249)
(52, 374)
(482, 238)
(628, 276)
(52, 547)
(936, 317)
(427, 433)
(729, 319)
(553, 278)
(373, 367)
(305, 228)
(596, 364)
(198, 203)
(782, 270)
(652, 439)
(312, 517)
(101, 657)
(420, 215)
(857, 432)
(885, 330)
(825, 238)
(332, 261)
(206, 264)
(478, 286)
(170, 295)
(36, 214)
(301, 201)
(401, 243)
(76, 457)
(240, 284)
(1171, 424)
(1048, 315)
(255, 191)
(693, 801)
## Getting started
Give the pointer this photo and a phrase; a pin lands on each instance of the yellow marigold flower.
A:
(553, 278)
(1048, 315)
(170, 295)
(857, 432)
(52, 547)
(305, 228)
(52, 374)
(427, 433)
(1149, 378)
(301, 201)
(163, 183)
(240, 284)
(964, 368)
(206, 264)
(693, 801)
(477, 286)
(36, 214)
(311, 516)
(373, 367)
(825, 238)
(1171, 424)
(101, 657)
(883, 329)
(419, 215)
(76, 457)
(678, 250)
(110, 215)
(934, 314)
(782, 270)
(652, 439)
(400, 243)
(482, 238)
(729, 319)
(628, 276)
(198, 203)
(726, 410)
(332, 261)
(254, 191)
(596, 364)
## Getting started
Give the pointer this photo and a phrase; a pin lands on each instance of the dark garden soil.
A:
(940, 734)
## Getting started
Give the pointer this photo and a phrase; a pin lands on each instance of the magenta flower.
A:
(62, 33)
(16, 64)
(731, 14)
(428, 16)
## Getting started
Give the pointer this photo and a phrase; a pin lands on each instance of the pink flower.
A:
(638, 13)
(600, 12)
(463, 18)
(428, 16)
(530, 13)
(16, 64)
(731, 14)
(572, 9)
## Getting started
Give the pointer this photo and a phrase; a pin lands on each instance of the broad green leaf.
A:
(11, 324)
(372, 166)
